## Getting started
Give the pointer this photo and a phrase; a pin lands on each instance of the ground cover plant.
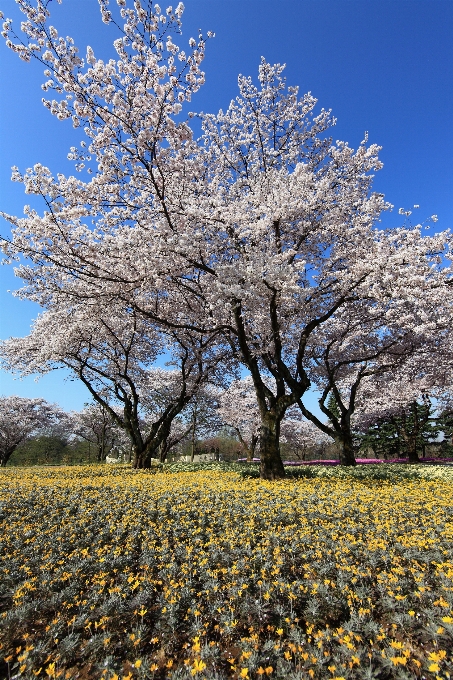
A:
(120, 573)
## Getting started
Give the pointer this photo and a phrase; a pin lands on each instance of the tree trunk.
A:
(250, 450)
(194, 426)
(6, 455)
(347, 456)
(411, 444)
(163, 450)
(138, 458)
(271, 466)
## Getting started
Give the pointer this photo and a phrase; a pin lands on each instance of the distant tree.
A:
(95, 425)
(406, 431)
(20, 418)
(238, 409)
(302, 435)
(43, 449)
(179, 432)
(202, 416)
(112, 349)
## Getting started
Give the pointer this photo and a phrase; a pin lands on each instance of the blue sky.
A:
(382, 66)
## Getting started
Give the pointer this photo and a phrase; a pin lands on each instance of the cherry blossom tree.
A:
(301, 435)
(255, 236)
(238, 410)
(112, 352)
(405, 398)
(179, 432)
(365, 344)
(21, 418)
(197, 419)
(94, 424)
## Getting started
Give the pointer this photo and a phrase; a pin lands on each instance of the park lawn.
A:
(116, 573)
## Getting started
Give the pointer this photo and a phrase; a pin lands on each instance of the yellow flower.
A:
(50, 670)
(198, 666)
(402, 660)
(396, 645)
(138, 663)
(244, 673)
(447, 619)
(434, 667)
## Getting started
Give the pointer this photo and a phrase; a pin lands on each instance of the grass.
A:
(204, 571)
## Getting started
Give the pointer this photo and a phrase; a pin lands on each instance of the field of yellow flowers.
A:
(123, 574)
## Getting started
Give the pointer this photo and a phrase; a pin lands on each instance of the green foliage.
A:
(386, 436)
(333, 406)
(52, 450)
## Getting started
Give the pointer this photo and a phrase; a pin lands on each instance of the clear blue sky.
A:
(385, 66)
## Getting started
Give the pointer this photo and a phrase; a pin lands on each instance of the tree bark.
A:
(411, 444)
(6, 455)
(194, 425)
(410, 435)
(347, 456)
(253, 443)
(138, 460)
(271, 466)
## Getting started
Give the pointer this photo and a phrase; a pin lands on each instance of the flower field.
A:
(122, 574)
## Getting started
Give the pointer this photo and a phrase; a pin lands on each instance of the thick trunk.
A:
(271, 466)
(163, 451)
(6, 455)
(347, 456)
(138, 458)
(411, 443)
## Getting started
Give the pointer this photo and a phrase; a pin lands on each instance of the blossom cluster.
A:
(127, 574)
